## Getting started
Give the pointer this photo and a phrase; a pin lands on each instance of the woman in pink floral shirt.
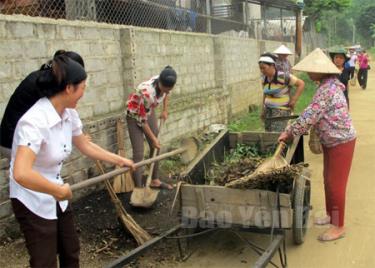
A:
(141, 119)
(328, 115)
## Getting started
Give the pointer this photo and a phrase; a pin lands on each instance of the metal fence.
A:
(216, 17)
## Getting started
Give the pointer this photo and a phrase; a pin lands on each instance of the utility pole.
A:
(208, 13)
(298, 44)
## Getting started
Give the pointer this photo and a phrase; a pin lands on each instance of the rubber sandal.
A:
(162, 186)
(326, 238)
(321, 221)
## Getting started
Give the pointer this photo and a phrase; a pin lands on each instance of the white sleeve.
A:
(29, 135)
(76, 123)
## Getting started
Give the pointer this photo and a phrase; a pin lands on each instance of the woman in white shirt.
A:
(42, 141)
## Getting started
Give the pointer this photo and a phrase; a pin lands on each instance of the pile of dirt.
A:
(105, 237)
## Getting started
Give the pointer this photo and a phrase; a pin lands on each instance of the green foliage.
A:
(372, 52)
(307, 95)
(365, 20)
(243, 151)
(314, 8)
(249, 122)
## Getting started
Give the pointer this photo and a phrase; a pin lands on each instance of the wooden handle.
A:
(113, 173)
(154, 154)
(120, 134)
(279, 149)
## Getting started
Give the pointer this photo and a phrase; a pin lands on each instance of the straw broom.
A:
(122, 183)
(139, 234)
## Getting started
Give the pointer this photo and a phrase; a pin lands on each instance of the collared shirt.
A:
(49, 136)
(328, 114)
(143, 100)
(277, 91)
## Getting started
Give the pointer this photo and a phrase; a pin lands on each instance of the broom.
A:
(139, 234)
(122, 183)
(275, 162)
(270, 166)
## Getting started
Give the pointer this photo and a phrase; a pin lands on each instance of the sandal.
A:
(162, 185)
(325, 237)
(322, 221)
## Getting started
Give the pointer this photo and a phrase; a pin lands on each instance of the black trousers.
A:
(351, 72)
(45, 239)
(362, 78)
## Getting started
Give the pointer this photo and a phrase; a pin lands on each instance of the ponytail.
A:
(58, 73)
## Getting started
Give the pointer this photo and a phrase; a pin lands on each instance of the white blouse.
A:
(50, 137)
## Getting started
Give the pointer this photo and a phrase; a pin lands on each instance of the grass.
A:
(251, 121)
(372, 52)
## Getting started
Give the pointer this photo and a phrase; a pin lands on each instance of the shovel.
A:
(146, 197)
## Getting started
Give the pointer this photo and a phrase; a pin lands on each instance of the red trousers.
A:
(337, 163)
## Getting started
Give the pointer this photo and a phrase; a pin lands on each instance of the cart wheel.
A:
(301, 209)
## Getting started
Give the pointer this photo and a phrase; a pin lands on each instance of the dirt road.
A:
(357, 248)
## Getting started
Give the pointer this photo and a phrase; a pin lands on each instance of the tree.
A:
(314, 8)
(364, 22)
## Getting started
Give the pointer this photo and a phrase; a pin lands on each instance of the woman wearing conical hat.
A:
(282, 62)
(328, 115)
(339, 58)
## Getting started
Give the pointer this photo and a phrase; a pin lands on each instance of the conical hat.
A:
(283, 50)
(316, 62)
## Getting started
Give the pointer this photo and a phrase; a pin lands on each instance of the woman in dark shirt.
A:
(25, 96)
(339, 58)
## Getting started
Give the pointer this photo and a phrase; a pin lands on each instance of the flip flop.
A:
(162, 185)
(326, 238)
(321, 221)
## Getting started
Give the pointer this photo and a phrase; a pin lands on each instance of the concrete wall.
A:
(218, 78)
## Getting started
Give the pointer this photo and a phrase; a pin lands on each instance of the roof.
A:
(284, 4)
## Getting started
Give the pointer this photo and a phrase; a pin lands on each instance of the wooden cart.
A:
(205, 208)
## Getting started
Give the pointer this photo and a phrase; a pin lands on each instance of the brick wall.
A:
(218, 78)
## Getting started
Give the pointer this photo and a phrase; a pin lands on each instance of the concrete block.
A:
(89, 33)
(11, 49)
(117, 106)
(85, 111)
(101, 108)
(36, 49)
(46, 31)
(6, 71)
(20, 29)
(94, 65)
(108, 34)
(3, 31)
(66, 32)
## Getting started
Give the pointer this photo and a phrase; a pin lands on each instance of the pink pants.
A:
(337, 163)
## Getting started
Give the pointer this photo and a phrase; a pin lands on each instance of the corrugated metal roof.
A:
(285, 4)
